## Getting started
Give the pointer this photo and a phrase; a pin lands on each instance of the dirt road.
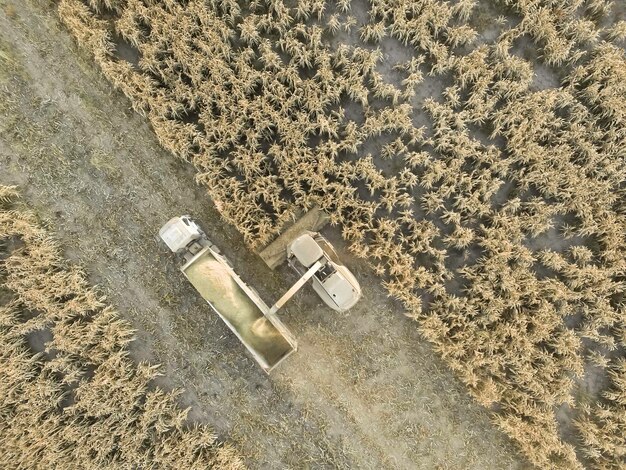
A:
(363, 391)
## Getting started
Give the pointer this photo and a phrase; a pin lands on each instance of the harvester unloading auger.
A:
(239, 305)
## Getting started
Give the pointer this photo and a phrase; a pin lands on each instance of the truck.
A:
(239, 305)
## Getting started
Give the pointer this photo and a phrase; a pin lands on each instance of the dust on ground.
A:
(363, 391)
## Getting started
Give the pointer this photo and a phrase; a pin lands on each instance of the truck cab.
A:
(179, 232)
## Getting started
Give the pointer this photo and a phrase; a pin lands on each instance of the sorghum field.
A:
(471, 154)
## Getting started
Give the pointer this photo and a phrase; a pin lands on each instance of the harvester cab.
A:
(313, 257)
(333, 281)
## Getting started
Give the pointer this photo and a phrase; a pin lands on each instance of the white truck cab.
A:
(179, 232)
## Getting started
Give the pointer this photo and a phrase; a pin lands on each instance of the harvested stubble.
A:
(81, 402)
(255, 100)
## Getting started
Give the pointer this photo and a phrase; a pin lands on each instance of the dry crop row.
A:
(564, 30)
(259, 102)
(81, 401)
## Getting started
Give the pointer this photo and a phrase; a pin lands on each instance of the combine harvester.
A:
(240, 306)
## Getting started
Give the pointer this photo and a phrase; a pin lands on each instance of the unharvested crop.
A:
(80, 402)
(500, 224)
